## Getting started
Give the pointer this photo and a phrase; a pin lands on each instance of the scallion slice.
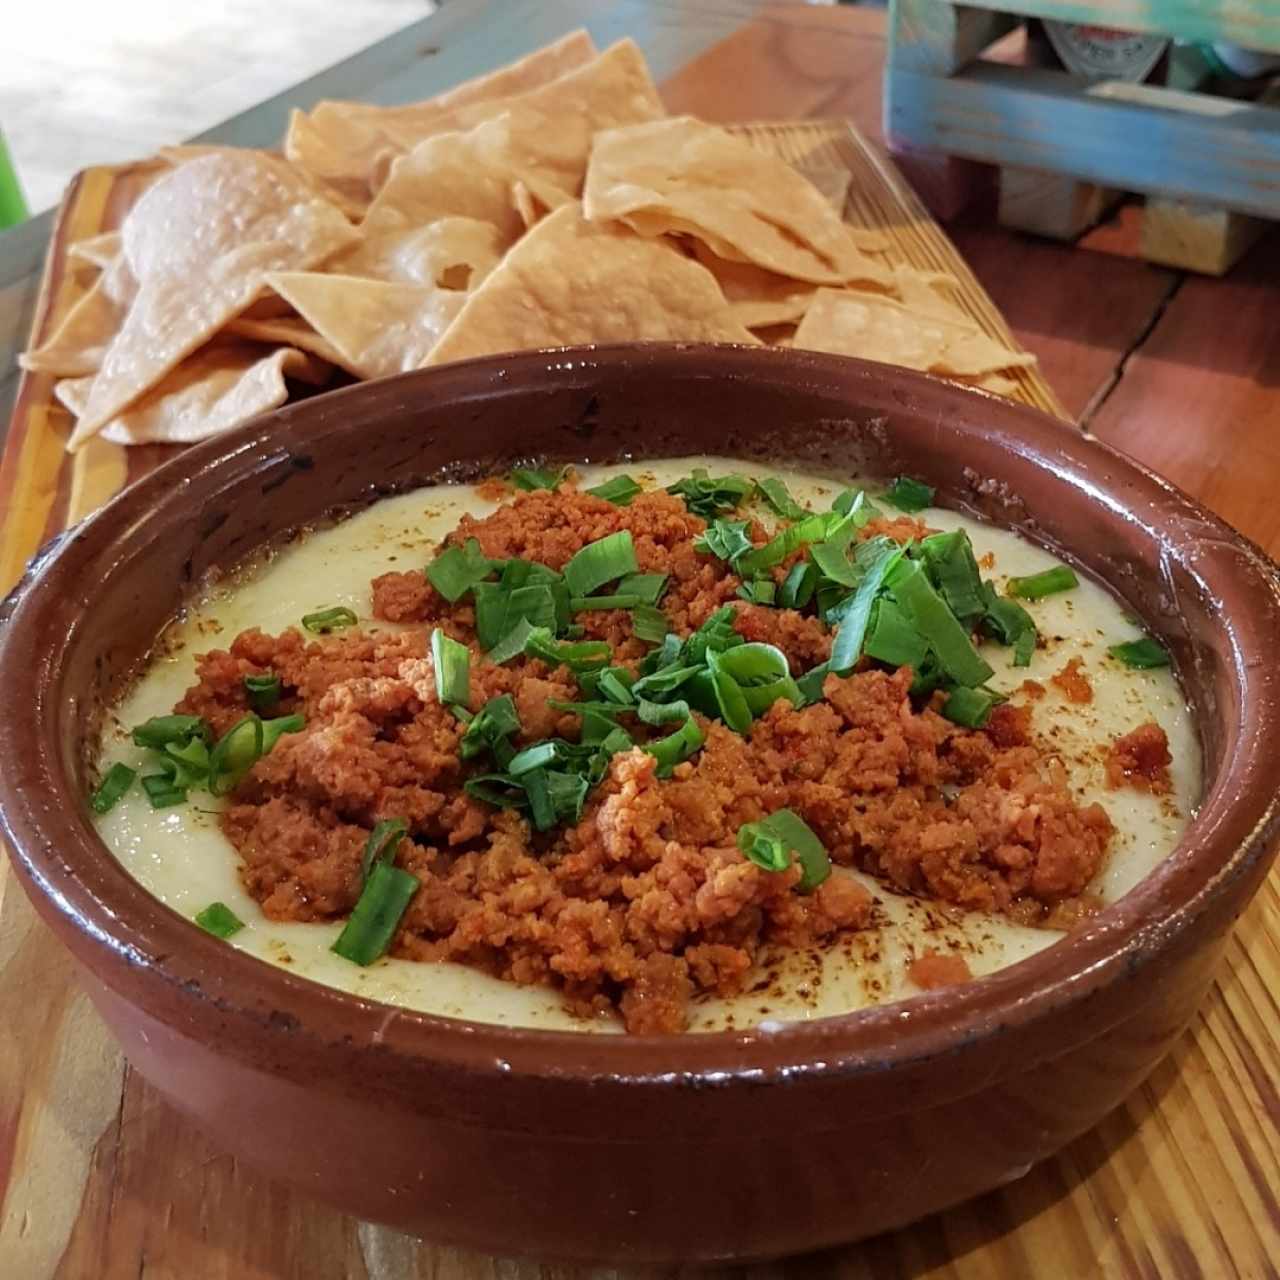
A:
(1047, 583)
(119, 778)
(620, 490)
(263, 691)
(161, 791)
(381, 844)
(604, 560)
(797, 588)
(499, 609)
(218, 919)
(781, 545)
(833, 562)
(159, 731)
(273, 729)
(708, 496)
(724, 539)
(761, 674)
(452, 663)
(759, 591)
(667, 680)
(909, 495)
(584, 655)
(775, 493)
(334, 618)
(234, 754)
(926, 610)
(1143, 655)
(731, 702)
(893, 640)
(855, 504)
(456, 570)
(676, 747)
(846, 648)
(649, 624)
(622, 600)
(493, 723)
(648, 586)
(969, 707)
(761, 840)
(373, 923)
(953, 569)
(615, 683)
(530, 478)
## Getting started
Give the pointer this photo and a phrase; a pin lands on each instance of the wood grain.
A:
(101, 1178)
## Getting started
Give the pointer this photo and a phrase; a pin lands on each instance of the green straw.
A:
(13, 208)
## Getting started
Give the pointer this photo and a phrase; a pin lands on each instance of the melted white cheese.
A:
(181, 856)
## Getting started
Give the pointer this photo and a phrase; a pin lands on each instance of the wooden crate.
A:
(1068, 148)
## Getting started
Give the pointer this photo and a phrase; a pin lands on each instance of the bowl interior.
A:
(91, 616)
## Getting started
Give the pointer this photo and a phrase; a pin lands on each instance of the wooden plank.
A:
(1197, 237)
(1252, 23)
(1137, 137)
(938, 38)
(1051, 204)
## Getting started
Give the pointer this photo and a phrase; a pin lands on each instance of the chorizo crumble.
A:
(645, 901)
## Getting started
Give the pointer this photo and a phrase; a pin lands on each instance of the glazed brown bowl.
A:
(731, 1145)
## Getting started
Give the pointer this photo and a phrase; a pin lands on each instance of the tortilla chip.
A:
(571, 281)
(286, 330)
(100, 250)
(453, 253)
(218, 388)
(468, 175)
(682, 175)
(375, 327)
(877, 328)
(758, 298)
(338, 141)
(200, 243)
(79, 344)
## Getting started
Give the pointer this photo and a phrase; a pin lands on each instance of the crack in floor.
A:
(1104, 392)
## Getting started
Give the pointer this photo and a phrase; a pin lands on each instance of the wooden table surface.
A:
(99, 1177)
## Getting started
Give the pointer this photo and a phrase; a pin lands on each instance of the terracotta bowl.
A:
(733, 1145)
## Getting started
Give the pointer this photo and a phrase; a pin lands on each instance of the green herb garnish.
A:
(604, 560)
(452, 663)
(218, 919)
(490, 727)
(772, 842)
(1047, 583)
(708, 496)
(456, 570)
(649, 624)
(620, 490)
(1143, 655)
(724, 539)
(530, 478)
(775, 493)
(909, 495)
(970, 707)
(159, 731)
(377, 914)
(381, 845)
(263, 691)
(324, 621)
(119, 778)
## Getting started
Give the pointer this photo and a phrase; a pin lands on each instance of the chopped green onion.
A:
(707, 496)
(846, 648)
(781, 545)
(926, 610)
(514, 643)
(582, 656)
(775, 493)
(909, 495)
(724, 539)
(161, 791)
(218, 919)
(855, 504)
(833, 562)
(760, 672)
(499, 609)
(159, 731)
(1023, 647)
(661, 712)
(492, 724)
(615, 683)
(610, 557)
(969, 707)
(186, 764)
(953, 569)
(665, 681)
(381, 845)
(797, 588)
(763, 847)
(717, 633)
(789, 830)
(263, 691)
(452, 663)
(235, 754)
(333, 619)
(377, 914)
(730, 700)
(892, 639)
(759, 591)
(1047, 583)
(530, 478)
(676, 747)
(810, 684)
(1141, 654)
(568, 791)
(649, 624)
(118, 780)
(620, 490)
(623, 600)
(648, 586)
(456, 570)
(539, 756)
(541, 811)
(597, 720)
(273, 729)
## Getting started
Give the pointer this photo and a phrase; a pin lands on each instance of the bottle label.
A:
(1100, 53)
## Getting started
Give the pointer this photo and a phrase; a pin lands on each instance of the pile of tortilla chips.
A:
(550, 203)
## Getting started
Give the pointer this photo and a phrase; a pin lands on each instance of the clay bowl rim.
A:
(1237, 821)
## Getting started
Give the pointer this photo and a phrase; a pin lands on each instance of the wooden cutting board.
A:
(99, 1177)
